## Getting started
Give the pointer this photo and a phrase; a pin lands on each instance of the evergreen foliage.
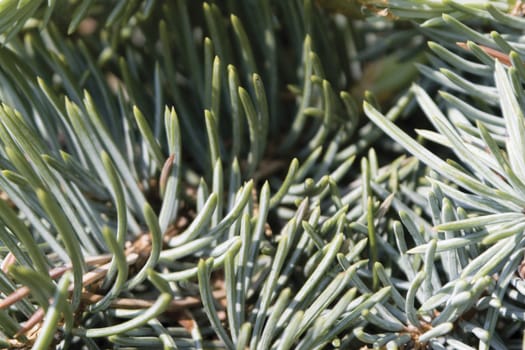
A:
(262, 174)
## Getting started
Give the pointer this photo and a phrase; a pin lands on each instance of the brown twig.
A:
(35, 319)
(500, 56)
(135, 303)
